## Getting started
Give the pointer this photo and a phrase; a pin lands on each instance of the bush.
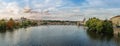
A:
(99, 26)
(107, 26)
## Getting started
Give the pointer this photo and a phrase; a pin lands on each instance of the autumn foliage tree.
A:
(10, 24)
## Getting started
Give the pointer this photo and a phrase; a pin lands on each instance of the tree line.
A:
(12, 24)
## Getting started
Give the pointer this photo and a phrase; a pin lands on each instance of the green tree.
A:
(107, 27)
(2, 24)
(99, 26)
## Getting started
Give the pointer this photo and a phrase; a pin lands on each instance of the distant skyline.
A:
(64, 9)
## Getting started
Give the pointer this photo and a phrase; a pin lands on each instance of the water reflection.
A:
(104, 40)
(100, 37)
(12, 37)
(56, 35)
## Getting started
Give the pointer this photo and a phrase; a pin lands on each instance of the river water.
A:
(55, 35)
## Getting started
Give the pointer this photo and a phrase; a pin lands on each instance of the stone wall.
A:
(116, 20)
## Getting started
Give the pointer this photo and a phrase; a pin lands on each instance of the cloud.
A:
(47, 1)
(12, 7)
(103, 9)
(66, 9)
(9, 10)
(101, 13)
(101, 4)
(48, 4)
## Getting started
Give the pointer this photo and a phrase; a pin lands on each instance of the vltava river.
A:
(55, 35)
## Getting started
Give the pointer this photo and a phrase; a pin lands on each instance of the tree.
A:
(92, 23)
(107, 26)
(17, 24)
(10, 24)
(99, 26)
(2, 24)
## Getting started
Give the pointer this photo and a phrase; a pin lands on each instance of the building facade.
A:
(116, 20)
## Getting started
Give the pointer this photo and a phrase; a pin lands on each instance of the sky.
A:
(63, 9)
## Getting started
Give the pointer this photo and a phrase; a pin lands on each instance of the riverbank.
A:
(116, 31)
(56, 22)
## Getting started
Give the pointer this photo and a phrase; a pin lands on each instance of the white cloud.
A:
(47, 1)
(9, 10)
(66, 10)
(101, 4)
(13, 7)
(9, 7)
(101, 13)
(104, 9)
(48, 4)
